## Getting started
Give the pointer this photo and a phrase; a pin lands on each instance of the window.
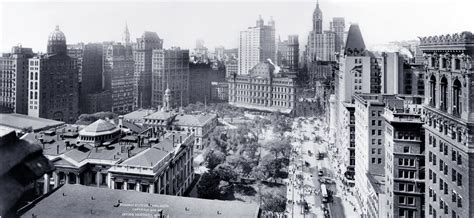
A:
(373, 122)
(373, 132)
(453, 154)
(379, 141)
(410, 201)
(430, 156)
(379, 160)
(379, 132)
(453, 175)
(410, 187)
(459, 159)
(430, 174)
(459, 201)
(406, 149)
(401, 187)
(379, 123)
(459, 179)
(401, 200)
(453, 196)
(373, 160)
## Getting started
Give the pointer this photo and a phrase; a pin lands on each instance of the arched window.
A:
(457, 98)
(432, 91)
(443, 94)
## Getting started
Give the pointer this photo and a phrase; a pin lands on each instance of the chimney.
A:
(173, 140)
(120, 121)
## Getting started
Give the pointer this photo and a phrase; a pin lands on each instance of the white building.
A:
(257, 44)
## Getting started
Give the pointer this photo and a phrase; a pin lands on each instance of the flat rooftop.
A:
(21, 121)
(85, 201)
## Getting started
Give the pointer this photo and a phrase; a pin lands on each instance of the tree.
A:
(214, 158)
(274, 200)
(208, 186)
(226, 172)
(277, 147)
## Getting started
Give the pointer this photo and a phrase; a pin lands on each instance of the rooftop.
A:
(355, 43)
(20, 121)
(193, 120)
(138, 114)
(85, 201)
(161, 115)
(151, 156)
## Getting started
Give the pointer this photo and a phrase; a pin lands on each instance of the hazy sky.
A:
(180, 23)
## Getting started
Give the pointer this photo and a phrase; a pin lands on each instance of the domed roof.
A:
(57, 35)
(168, 91)
(100, 126)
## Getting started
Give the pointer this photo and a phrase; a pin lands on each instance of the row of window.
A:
(455, 176)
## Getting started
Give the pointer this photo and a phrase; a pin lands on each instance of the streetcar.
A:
(324, 193)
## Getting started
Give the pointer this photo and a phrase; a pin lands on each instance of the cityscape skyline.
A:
(242, 16)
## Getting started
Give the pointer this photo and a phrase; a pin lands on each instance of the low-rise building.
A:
(263, 89)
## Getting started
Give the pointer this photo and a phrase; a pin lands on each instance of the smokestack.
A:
(120, 121)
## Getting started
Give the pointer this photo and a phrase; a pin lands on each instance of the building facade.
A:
(92, 78)
(14, 80)
(170, 69)
(263, 89)
(338, 26)
(142, 55)
(288, 53)
(53, 88)
(449, 124)
(405, 163)
(257, 44)
(359, 72)
(118, 75)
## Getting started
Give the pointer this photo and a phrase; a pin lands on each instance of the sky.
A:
(181, 22)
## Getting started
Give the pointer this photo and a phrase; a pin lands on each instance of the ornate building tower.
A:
(317, 20)
(449, 124)
(57, 42)
(126, 35)
(167, 100)
(53, 82)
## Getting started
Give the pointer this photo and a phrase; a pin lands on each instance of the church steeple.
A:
(318, 19)
(167, 99)
(126, 35)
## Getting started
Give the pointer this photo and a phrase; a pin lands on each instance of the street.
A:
(308, 139)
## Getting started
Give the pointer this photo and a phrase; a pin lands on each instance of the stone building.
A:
(449, 124)
(53, 88)
(257, 44)
(404, 163)
(170, 69)
(14, 80)
(118, 77)
(142, 55)
(263, 89)
(288, 53)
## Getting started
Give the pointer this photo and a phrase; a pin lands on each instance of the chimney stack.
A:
(173, 140)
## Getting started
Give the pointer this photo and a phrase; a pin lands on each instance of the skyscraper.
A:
(118, 73)
(317, 20)
(257, 44)
(338, 26)
(170, 69)
(321, 44)
(359, 73)
(93, 97)
(449, 124)
(288, 53)
(142, 56)
(53, 88)
(14, 80)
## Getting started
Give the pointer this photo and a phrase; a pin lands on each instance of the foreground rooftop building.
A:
(449, 124)
(83, 201)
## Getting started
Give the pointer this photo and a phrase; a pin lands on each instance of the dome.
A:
(57, 35)
(167, 91)
(100, 126)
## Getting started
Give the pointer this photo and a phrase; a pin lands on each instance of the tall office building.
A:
(288, 53)
(118, 77)
(321, 45)
(93, 98)
(14, 80)
(53, 88)
(404, 162)
(257, 44)
(370, 151)
(170, 69)
(142, 56)
(76, 51)
(449, 124)
(338, 26)
(359, 72)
